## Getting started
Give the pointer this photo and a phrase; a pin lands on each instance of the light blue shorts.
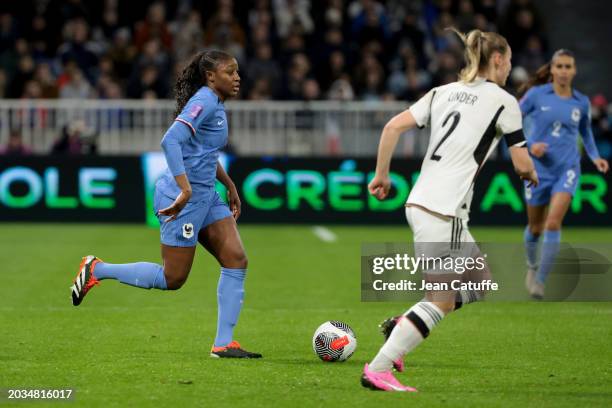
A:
(564, 182)
(184, 230)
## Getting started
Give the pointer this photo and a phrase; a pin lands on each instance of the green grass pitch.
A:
(131, 347)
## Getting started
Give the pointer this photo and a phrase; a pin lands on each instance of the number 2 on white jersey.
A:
(456, 116)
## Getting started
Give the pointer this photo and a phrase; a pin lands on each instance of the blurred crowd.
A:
(288, 49)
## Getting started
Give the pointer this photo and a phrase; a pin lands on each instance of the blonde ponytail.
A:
(479, 47)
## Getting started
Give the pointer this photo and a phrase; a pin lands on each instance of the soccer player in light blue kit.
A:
(558, 114)
(186, 203)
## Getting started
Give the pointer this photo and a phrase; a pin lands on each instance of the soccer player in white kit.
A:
(467, 119)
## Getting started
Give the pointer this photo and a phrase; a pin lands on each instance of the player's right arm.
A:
(381, 183)
(181, 131)
(416, 115)
(171, 143)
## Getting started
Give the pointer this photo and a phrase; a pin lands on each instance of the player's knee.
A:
(235, 259)
(174, 281)
(536, 229)
(553, 224)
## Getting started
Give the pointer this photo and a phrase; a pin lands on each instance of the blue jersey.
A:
(192, 145)
(557, 122)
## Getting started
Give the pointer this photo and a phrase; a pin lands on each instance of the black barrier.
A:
(273, 190)
(71, 189)
(335, 191)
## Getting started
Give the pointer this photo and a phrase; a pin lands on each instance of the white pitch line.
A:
(324, 234)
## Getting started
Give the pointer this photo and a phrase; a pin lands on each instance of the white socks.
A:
(408, 333)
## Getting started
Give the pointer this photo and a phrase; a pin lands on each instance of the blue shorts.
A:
(183, 231)
(563, 182)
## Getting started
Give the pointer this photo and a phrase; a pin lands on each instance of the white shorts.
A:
(427, 227)
(436, 237)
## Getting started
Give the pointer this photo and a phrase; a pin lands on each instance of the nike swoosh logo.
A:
(220, 123)
(545, 108)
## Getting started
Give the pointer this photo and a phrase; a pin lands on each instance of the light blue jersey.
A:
(191, 146)
(195, 152)
(557, 122)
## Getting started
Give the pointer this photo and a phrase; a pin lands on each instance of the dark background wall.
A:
(585, 27)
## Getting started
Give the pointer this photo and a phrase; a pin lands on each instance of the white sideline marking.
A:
(324, 234)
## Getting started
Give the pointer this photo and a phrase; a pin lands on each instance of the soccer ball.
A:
(334, 341)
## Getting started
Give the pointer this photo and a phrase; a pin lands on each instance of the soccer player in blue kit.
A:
(186, 203)
(557, 114)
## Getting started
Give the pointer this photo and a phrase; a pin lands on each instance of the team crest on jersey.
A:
(576, 115)
(195, 111)
(188, 230)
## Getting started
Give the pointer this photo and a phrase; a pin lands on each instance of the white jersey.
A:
(467, 121)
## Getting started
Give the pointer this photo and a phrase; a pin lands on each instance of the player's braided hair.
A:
(543, 75)
(479, 47)
(193, 76)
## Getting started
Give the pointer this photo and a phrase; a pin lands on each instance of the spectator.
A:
(521, 20)
(153, 55)
(44, 77)
(369, 66)
(75, 139)
(3, 81)
(77, 86)
(147, 82)
(32, 90)
(532, 57)
(8, 31)
(410, 80)
(296, 75)
(410, 35)
(224, 32)
(77, 48)
(370, 23)
(189, 36)
(25, 72)
(310, 90)
(335, 68)
(446, 68)
(264, 67)
(374, 86)
(261, 90)
(341, 89)
(15, 145)
(331, 36)
(465, 16)
(122, 53)
(291, 15)
(154, 27)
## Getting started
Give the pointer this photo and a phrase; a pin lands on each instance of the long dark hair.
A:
(193, 76)
(543, 75)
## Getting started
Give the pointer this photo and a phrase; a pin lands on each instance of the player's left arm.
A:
(589, 142)
(511, 126)
(232, 193)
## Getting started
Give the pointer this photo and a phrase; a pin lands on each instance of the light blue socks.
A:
(141, 274)
(230, 293)
(531, 248)
(550, 249)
